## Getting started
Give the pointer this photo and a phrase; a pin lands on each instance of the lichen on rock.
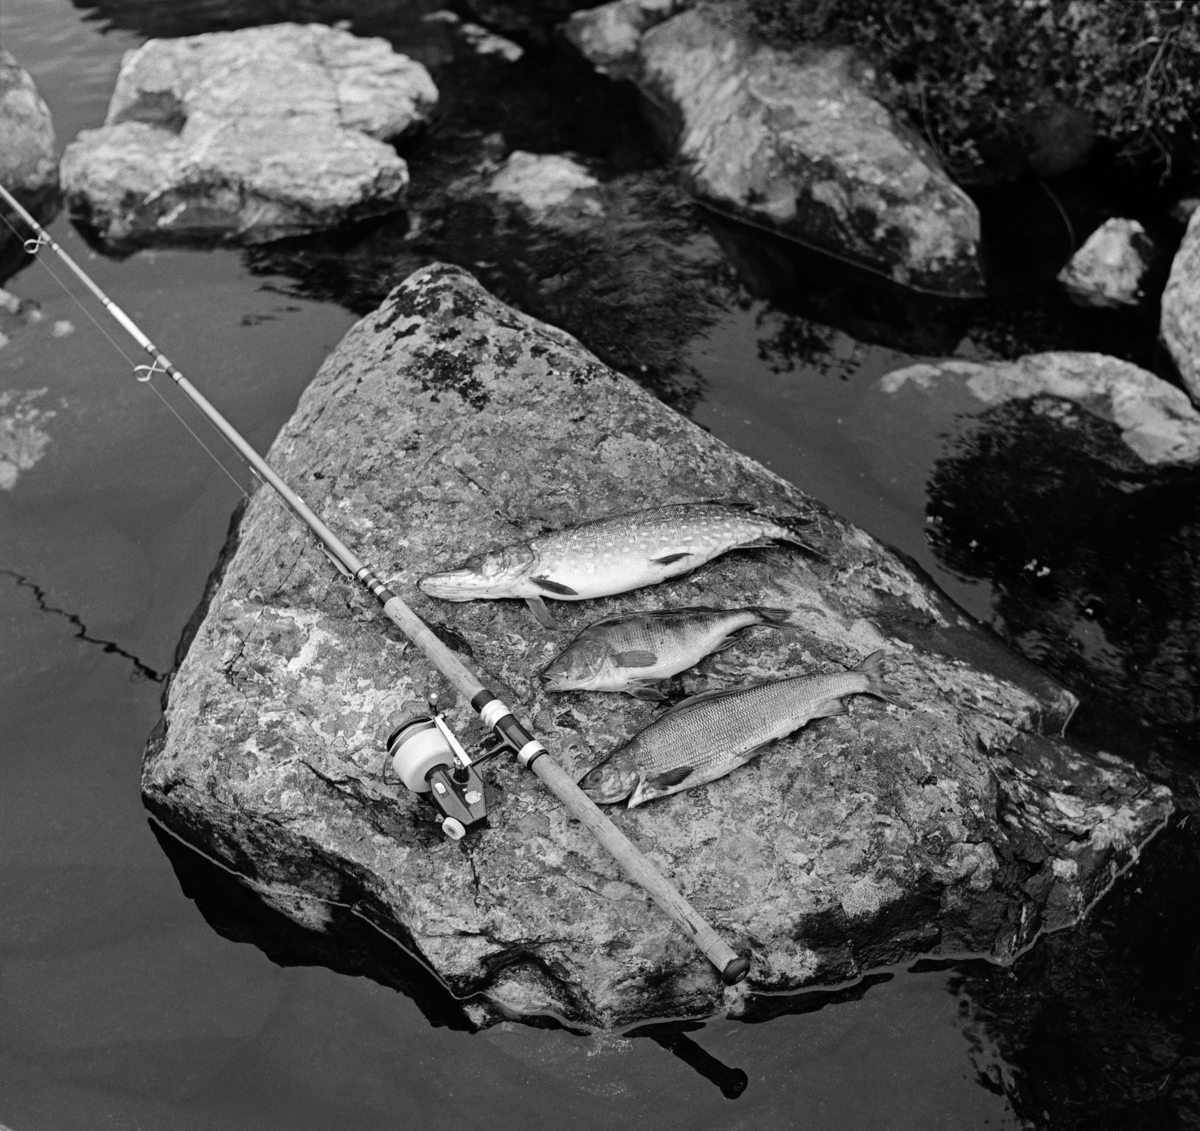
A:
(962, 824)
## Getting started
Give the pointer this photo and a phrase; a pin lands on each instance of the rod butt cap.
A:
(736, 969)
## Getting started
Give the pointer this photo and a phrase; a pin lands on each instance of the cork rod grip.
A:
(733, 967)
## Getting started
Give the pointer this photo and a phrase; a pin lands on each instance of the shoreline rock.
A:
(248, 136)
(1156, 420)
(791, 141)
(28, 161)
(1107, 271)
(447, 423)
(608, 37)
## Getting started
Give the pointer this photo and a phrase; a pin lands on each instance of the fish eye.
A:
(473, 562)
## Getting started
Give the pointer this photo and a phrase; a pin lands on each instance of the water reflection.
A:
(1109, 1037)
(1092, 555)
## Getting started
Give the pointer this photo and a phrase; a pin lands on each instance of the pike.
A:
(496, 715)
(613, 554)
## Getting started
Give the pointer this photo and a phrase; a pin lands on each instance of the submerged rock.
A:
(248, 136)
(1155, 419)
(1180, 323)
(1108, 270)
(546, 184)
(28, 164)
(793, 142)
(447, 423)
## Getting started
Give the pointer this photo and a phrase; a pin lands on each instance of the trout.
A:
(611, 555)
(707, 736)
(633, 652)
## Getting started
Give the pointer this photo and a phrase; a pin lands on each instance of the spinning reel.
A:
(428, 759)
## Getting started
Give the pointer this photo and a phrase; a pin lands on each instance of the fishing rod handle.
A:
(732, 966)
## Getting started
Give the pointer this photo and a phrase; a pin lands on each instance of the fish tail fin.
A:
(774, 618)
(872, 668)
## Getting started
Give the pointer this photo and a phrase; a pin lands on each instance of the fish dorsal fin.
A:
(733, 504)
(652, 614)
(705, 697)
(613, 619)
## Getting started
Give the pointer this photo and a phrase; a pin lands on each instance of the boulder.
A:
(1156, 421)
(794, 143)
(248, 136)
(1180, 325)
(608, 37)
(1108, 270)
(28, 163)
(447, 423)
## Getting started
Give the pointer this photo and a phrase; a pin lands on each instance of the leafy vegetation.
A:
(985, 81)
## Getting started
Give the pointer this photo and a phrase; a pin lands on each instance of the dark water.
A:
(124, 1003)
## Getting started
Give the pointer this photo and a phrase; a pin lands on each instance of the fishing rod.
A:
(425, 753)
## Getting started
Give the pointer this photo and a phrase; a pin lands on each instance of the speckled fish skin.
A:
(630, 653)
(706, 737)
(611, 555)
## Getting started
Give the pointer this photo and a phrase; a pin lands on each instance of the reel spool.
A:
(428, 759)
(416, 746)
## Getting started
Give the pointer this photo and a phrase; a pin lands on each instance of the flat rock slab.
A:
(794, 142)
(447, 423)
(248, 136)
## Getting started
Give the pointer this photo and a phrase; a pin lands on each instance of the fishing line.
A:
(497, 716)
(38, 243)
(144, 375)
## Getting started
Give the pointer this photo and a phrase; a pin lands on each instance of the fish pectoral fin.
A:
(635, 658)
(669, 779)
(554, 586)
(647, 693)
(671, 559)
(829, 709)
(538, 607)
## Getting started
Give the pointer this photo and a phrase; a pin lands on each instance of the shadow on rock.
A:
(1092, 555)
